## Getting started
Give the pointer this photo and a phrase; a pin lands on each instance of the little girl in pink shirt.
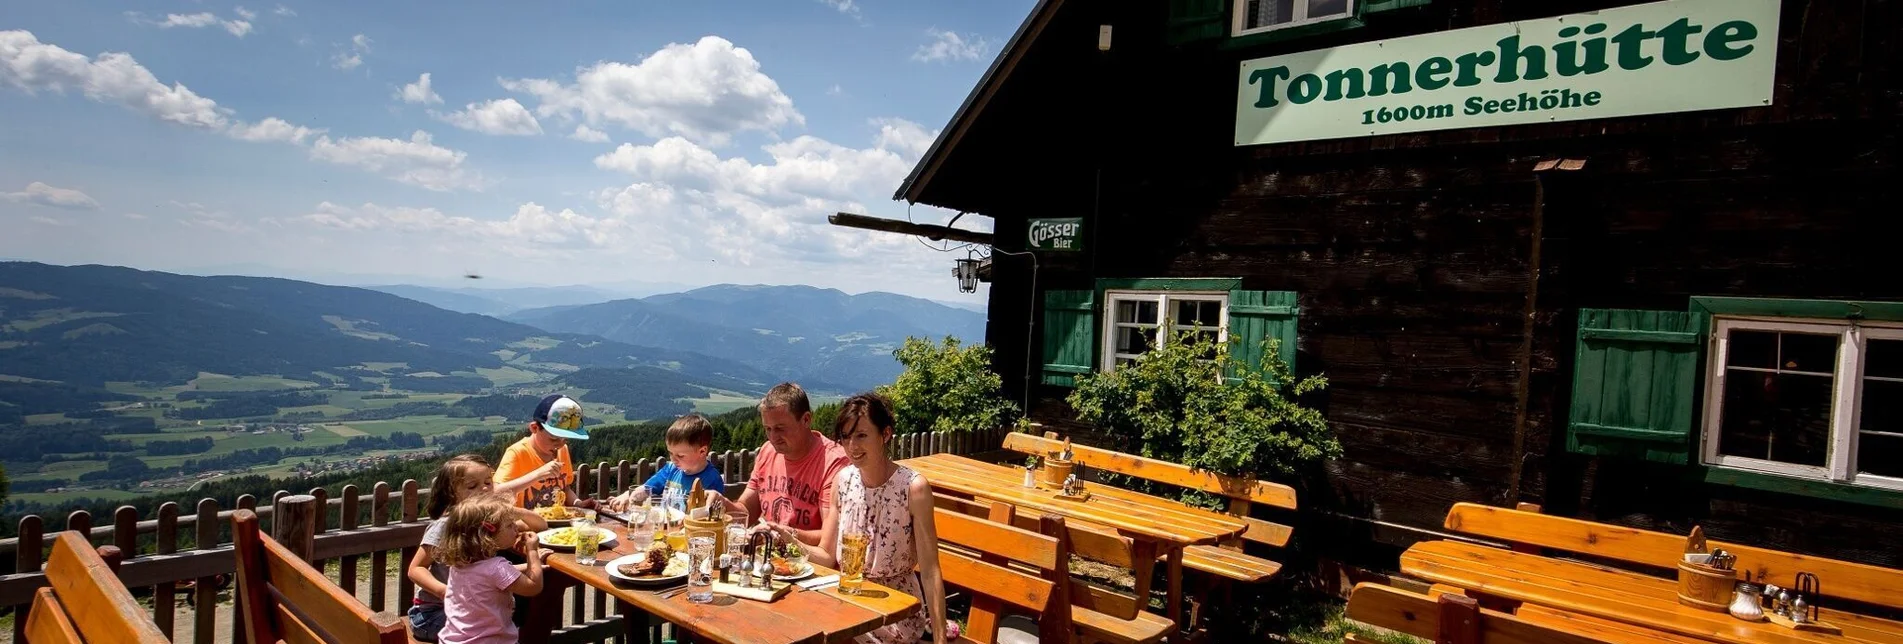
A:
(478, 601)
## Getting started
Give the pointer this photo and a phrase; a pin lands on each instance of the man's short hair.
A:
(692, 429)
(787, 395)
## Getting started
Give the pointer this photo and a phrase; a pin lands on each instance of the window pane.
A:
(1198, 313)
(1882, 406)
(1807, 352)
(1209, 340)
(1126, 311)
(1324, 8)
(1211, 314)
(1133, 340)
(1880, 454)
(1883, 358)
(1263, 13)
(1755, 349)
(1136, 311)
(1146, 312)
(1776, 417)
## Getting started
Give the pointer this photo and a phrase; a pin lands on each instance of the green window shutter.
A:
(1194, 20)
(1070, 336)
(1377, 6)
(1635, 384)
(1255, 316)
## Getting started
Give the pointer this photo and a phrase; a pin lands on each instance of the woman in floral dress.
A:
(892, 506)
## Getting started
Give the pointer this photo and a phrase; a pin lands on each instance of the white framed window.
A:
(1257, 16)
(1817, 399)
(1139, 321)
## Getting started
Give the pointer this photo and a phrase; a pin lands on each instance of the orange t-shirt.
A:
(797, 493)
(520, 459)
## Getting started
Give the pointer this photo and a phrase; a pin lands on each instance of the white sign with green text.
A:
(1674, 56)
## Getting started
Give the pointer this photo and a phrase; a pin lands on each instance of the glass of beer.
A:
(852, 562)
(587, 541)
(677, 539)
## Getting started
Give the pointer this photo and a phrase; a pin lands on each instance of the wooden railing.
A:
(350, 526)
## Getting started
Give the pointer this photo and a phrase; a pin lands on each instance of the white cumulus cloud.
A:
(948, 46)
(705, 91)
(420, 92)
(273, 130)
(348, 58)
(500, 117)
(416, 161)
(45, 195)
(285, 12)
(532, 226)
(200, 20)
(112, 77)
(244, 13)
(848, 7)
(589, 134)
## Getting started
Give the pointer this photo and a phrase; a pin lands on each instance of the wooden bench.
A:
(1527, 530)
(286, 600)
(993, 582)
(84, 601)
(1100, 614)
(1451, 619)
(1227, 560)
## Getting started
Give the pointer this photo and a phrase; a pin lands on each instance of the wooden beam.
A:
(928, 231)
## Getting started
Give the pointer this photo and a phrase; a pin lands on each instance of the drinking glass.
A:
(700, 570)
(677, 539)
(852, 562)
(587, 541)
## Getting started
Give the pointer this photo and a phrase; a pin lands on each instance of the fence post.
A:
(294, 523)
(412, 498)
(164, 596)
(26, 558)
(347, 520)
(205, 589)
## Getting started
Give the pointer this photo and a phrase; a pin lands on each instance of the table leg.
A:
(545, 608)
(1176, 588)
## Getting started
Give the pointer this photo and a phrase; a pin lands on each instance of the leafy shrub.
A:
(1176, 405)
(946, 386)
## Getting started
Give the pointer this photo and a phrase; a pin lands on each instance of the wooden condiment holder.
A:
(1055, 471)
(1701, 585)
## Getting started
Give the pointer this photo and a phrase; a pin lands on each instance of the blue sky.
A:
(596, 142)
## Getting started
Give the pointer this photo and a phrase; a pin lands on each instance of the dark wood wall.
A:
(1413, 254)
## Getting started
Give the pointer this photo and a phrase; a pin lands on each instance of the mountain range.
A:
(88, 325)
(823, 337)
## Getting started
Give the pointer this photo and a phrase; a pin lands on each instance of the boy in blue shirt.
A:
(688, 441)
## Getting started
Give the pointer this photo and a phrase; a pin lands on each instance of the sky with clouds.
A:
(532, 143)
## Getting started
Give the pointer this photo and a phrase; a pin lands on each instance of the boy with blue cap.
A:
(534, 468)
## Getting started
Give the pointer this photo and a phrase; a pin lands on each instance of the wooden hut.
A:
(1621, 260)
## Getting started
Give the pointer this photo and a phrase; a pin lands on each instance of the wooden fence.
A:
(351, 526)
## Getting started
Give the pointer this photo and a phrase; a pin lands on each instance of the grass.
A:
(509, 376)
(720, 402)
(207, 381)
(345, 431)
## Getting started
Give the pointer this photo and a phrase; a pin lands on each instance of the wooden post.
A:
(164, 596)
(113, 556)
(26, 558)
(379, 560)
(347, 519)
(294, 524)
(411, 511)
(1459, 620)
(205, 589)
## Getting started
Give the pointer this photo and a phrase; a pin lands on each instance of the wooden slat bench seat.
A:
(993, 583)
(1097, 614)
(1452, 619)
(84, 601)
(1225, 560)
(286, 600)
(1529, 531)
(1604, 630)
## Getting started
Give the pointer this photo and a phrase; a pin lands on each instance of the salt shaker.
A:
(1800, 612)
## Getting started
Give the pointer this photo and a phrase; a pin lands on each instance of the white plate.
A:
(614, 571)
(806, 570)
(607, 541)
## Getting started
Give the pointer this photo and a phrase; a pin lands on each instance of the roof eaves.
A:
(975, 102)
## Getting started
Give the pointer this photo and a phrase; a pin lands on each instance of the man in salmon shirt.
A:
(794, 473)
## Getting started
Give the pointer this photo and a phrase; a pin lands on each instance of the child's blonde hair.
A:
(449, 478)
(469, 534)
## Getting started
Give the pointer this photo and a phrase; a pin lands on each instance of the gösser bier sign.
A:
(1675, 56)
(1057, 234)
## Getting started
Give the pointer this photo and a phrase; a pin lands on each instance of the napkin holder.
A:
(1701, 585)
(778, 590)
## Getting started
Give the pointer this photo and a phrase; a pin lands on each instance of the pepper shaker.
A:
(1800, 612)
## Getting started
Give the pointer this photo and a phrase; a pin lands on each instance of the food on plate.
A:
(657, 561)
(787, 559)
(565, 537)
(560, 512)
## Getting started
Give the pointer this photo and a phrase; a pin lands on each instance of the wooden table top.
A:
(1133, 513)
(1612, 594)
(799, 616)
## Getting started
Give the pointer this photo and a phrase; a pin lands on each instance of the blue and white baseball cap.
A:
(561, 416)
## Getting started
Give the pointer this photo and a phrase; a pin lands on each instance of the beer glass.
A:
(700, 570)
(587, 541)
(852, 562)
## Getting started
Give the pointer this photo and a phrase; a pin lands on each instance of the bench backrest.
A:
(286, 600)
(1240, 492)
(1841, 579)
(1095, 543)
(1453, 619)
(84, 601)
(993, 582)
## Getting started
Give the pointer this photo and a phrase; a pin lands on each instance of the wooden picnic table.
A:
(798, 617)
(1614, 595)
(1168, 526)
